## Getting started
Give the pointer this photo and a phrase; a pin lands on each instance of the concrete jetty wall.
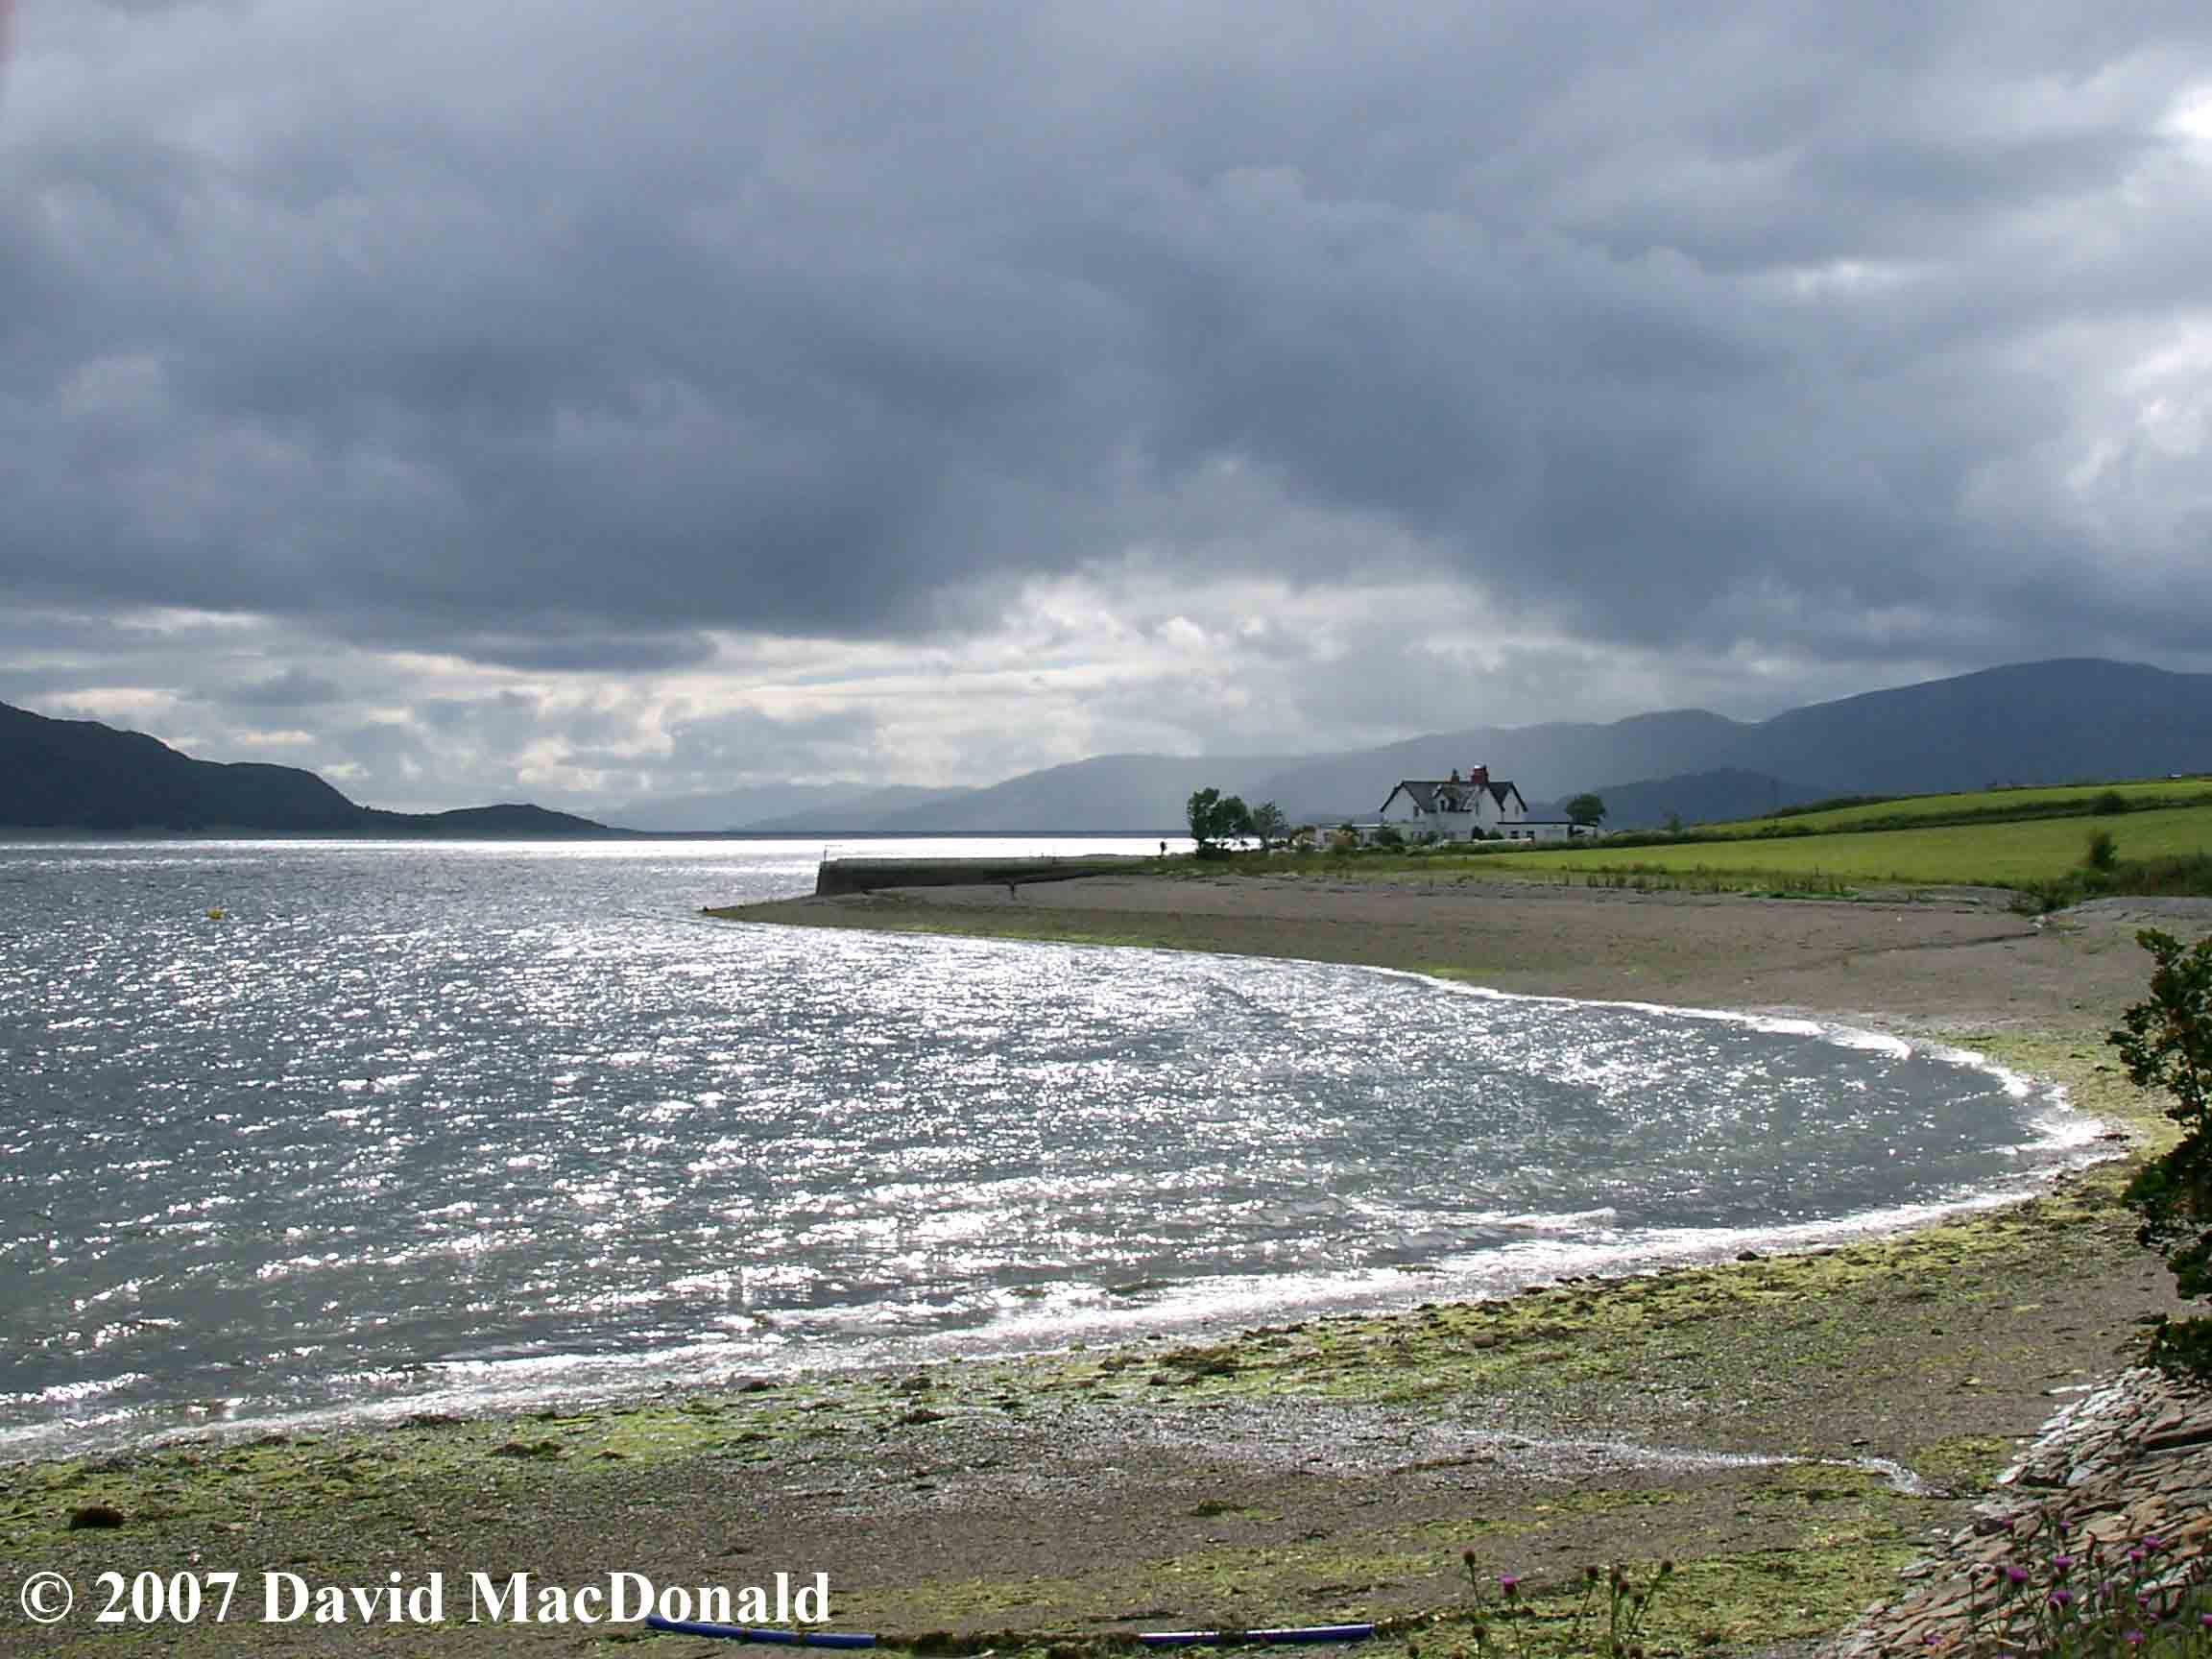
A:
(866, 875)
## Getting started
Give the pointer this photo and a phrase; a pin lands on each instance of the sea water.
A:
(458, 1125)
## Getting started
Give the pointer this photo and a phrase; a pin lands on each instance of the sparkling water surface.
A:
(463, 1124)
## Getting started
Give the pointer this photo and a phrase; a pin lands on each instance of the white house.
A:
(1475, 807)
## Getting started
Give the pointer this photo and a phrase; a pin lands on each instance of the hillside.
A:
(2056, 722)
(1693, 798)
(81, 774)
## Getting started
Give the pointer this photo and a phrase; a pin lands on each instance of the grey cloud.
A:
(749, 743)
(557, 346)
(293, 689)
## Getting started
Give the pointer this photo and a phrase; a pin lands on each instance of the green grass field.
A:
(1975, 854)
(1991, 802)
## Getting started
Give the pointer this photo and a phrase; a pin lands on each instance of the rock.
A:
(528, 1449)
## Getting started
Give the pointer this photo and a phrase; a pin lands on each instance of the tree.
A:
(2166, 1043)
(1215, 817)
(1586, 809)
(1270, 826)
(1203, 809)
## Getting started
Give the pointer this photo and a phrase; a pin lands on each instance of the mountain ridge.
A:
(81, 775)
(2064, 720)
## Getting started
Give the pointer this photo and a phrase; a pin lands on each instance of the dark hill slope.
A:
(81, 774)
(2054, 722)
(502, 821)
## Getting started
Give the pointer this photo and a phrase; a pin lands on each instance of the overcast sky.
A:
(664, 395)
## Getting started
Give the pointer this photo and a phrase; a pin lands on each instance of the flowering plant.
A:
(2090, 1598)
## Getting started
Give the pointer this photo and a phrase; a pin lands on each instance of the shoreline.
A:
(1379, 1292)
(1329, 1467)
(1218, 1310)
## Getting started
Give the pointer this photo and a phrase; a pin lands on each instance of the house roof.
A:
(1422, 793)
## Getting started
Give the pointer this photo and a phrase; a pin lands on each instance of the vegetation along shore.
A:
(1789, 1431)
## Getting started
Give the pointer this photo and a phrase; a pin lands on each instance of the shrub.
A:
(2102, 851)
(2108, 802)
(2165, 1042)
(2173, 873)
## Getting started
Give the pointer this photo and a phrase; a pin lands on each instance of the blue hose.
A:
(745, 1634)
(1150, 1638)
(1303, 1633)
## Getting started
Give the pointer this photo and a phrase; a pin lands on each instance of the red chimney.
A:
(1477, 773)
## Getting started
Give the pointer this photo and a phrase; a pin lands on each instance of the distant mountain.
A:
(1144, 794)
(870, 805)
(758, 806)
(1542, 762)
(510, 819)
(2030, 722)
(81, 774)
(1693, 797)
(2056, 722)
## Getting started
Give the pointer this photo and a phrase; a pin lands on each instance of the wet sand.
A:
(1949, 961)
(1755, 1422)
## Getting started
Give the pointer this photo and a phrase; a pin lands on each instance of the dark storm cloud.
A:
(554, 344)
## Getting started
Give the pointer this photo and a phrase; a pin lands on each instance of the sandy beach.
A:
(1790, 1430)
(1948, 960)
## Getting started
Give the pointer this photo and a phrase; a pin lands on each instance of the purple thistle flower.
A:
(1508, 1586)
(2061, 1562)
(2060, 1598)
(2016, 1572)
(2135, 1637)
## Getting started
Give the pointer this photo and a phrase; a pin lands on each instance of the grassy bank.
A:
(2163, 850)
(2009, 854)
(1980, 806)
